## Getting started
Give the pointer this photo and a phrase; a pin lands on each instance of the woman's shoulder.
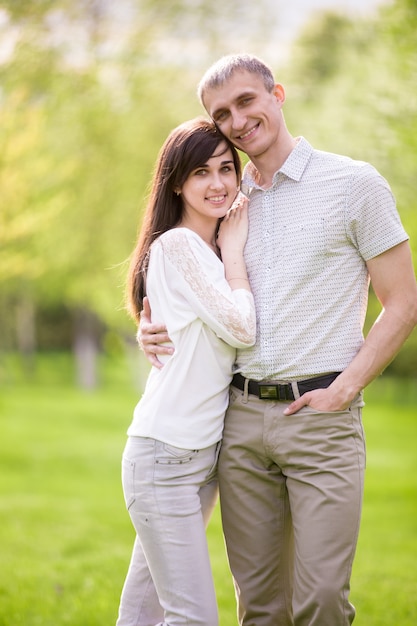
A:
(179, 233)
(179, 238)
(187, 251)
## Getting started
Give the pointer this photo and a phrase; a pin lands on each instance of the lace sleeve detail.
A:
(231, 314)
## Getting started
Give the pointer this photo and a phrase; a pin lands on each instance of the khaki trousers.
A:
(291, 495)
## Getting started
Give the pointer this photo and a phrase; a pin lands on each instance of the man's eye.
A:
(220, 117)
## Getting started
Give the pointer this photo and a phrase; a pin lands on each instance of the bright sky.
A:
(289, 16)
(294, 14)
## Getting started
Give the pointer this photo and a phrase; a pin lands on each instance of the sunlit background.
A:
(89, 91)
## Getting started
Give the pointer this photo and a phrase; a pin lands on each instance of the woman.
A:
(190, 265)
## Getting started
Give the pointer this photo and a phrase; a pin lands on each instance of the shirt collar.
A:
(293, 167)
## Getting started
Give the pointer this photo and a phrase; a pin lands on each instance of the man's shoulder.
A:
(354, 168)
(340, 159)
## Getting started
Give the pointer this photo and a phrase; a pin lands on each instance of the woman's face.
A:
(210, 189)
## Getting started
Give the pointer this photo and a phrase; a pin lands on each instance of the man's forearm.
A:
(382, 344)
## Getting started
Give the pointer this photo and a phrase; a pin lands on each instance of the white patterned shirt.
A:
(310, 235)
(184, 403)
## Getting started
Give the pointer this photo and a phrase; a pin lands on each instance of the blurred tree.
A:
(319, 52)
(32, 192)
(76, 159)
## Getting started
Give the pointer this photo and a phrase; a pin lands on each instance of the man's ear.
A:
(279, 93)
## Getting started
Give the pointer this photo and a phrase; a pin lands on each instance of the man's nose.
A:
(238, 120)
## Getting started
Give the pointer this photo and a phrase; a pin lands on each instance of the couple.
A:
(317, 228)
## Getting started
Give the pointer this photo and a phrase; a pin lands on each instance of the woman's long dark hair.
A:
(187, 147)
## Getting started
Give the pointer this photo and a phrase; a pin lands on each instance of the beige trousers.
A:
(291, 495)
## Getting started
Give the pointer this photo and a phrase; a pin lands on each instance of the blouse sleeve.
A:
(229, 313)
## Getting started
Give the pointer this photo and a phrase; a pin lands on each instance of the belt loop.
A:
(245, 391)
(295, 390)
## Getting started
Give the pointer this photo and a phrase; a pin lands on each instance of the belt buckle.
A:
(268, 392)
(274, 391)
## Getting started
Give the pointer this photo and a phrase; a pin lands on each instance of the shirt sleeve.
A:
(373, 222)
(200, 276)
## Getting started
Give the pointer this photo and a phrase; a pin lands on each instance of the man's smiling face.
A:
(245, 112)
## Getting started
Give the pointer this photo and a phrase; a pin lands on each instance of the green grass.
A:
(384, 585)
(66, 538)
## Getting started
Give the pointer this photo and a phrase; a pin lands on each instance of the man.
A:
(292, 461)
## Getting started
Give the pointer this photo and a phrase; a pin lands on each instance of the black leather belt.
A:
(270, 390)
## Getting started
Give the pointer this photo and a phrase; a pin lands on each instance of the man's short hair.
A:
(221, 71)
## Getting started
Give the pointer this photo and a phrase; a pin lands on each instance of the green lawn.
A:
(66, 538)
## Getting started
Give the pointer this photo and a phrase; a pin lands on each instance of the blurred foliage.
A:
(77, 153)
(90, 90)
(366, 105)
(27, 9)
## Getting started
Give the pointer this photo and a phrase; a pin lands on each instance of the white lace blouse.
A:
(184, 403)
